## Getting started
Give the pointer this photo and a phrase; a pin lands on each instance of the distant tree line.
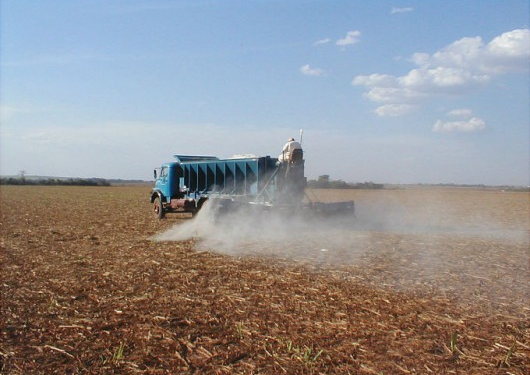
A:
(54, 181)
(324, 182)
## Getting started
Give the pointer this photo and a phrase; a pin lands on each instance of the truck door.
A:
(162, 182)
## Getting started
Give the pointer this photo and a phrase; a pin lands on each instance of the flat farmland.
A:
(419, 281)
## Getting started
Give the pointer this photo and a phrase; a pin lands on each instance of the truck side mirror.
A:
(154, 173)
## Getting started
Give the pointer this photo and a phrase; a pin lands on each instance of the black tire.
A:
(158, 208)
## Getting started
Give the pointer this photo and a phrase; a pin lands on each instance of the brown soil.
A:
(85, 290)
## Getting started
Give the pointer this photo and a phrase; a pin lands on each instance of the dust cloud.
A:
(339, 239)
(434, 218)
(466, 252)
(251, 231)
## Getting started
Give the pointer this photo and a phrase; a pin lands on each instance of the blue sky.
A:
(386, 91)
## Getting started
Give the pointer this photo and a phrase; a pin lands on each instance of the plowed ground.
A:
(86, 290)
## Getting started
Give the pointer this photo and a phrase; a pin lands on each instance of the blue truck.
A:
(186, 183)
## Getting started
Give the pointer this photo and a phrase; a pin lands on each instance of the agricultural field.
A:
(419, 281)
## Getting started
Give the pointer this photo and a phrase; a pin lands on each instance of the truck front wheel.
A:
(158, 208)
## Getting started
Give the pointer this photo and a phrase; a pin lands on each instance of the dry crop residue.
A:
(86, 290)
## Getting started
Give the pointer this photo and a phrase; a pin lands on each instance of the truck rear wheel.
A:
(158, 208)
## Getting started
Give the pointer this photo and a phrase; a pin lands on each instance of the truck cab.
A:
(167, 181)
(170, 192)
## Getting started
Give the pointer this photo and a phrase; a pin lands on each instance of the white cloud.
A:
(375, 80)
(401, 10)
(441, 79)
(322, 41)
(508, 52)
(393, 110)
(393, 94)
(463, 65)
(462, 53)
(461, 113)
(471, 125)
(467, 123)
(308, 71)
(384, 88)
(514, 43)
(352, 37)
